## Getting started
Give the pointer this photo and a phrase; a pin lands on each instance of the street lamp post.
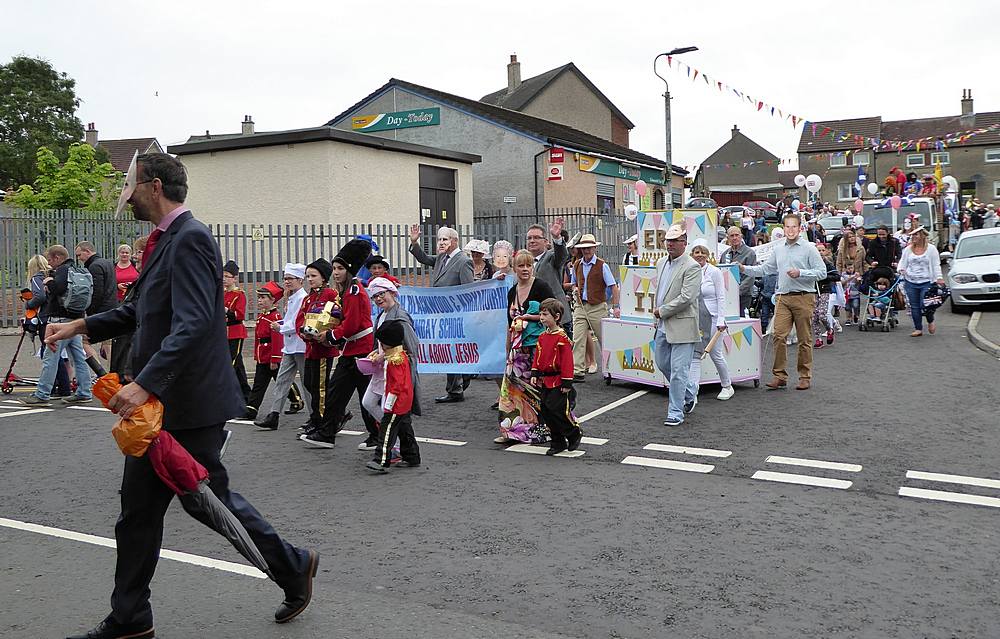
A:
(667, 172)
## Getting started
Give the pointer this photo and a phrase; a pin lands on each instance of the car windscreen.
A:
(876, 217)
(833, 223)
(978, 246)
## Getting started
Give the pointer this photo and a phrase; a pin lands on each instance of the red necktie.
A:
(154, 237)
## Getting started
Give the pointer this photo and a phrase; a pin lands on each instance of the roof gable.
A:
(122, 151)
(529, 89)
(739, 148)
(813, 140)
(552, 132)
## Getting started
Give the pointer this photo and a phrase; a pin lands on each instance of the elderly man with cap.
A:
(678, 291)
(293, 351)
(591, 278)
(632, 255)
(739, 253)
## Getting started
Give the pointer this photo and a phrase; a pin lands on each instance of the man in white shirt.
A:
(293, 354)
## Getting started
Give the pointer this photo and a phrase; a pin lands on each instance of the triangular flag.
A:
(657, 219)
(712, 213)
(728, 341)
(695, 75)
(738, 340)
(700, 221)
(748, 335)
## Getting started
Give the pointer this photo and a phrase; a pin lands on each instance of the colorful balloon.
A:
(859, 206)
(895, 202)
(640, 188)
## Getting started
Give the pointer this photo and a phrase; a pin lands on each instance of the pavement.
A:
(984, 331)
(655, 532)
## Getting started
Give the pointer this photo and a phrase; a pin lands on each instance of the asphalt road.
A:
(481, 542)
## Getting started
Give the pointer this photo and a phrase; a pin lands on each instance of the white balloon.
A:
(800, 180)
(814, 183)
(631, 212)
(795, 205)
(872, 188)
(859, 220)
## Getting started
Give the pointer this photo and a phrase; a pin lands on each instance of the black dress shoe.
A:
(449, 399)
(555, 450)
(573, 439)
(294, 408)
(110, 629)
(299, 594)
(408, 464)
(268, 423)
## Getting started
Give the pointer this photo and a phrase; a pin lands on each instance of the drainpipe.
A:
(535, 166)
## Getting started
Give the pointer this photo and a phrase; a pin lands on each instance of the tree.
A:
(37, 108)
(79, 183)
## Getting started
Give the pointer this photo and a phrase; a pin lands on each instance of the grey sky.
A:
(174, 69)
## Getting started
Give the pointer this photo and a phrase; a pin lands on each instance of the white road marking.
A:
(443, 442)
(806, 480)
(183, 557)
(613, 405)
(593, 441)
(669, 464)
(241, 421)
(814, 463)
(540, 450)
(21, 407)
(687, 450)
(31, 411)
(98, 408)
(352, 432)
(953, 479)
(943, 495)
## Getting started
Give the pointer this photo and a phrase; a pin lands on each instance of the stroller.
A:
(879, 308)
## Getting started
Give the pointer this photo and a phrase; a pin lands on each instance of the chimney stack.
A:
(513, 74)
(735, 130)
(90, 135)
(967, 102)
(247, 125)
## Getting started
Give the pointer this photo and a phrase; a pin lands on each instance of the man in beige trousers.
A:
(591, 278)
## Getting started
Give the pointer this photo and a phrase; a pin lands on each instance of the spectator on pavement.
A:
(632, 251)
(739, 253)
(59, 292)
(799, 268)
(481, 268)
(451, 267)
(103, 297)
(851, 252)
(39, 268)
(591, 278)
(677, 292)
(920, 267)
(125, 270)
(711, 320)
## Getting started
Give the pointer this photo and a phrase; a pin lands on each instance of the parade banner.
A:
(462, 329)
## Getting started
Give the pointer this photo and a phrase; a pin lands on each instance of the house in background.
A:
(528, 163)
(738, 171)
(564, 95)
(835, 148)
(121, 151)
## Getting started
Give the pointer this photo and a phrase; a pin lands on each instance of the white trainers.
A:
(726, 393)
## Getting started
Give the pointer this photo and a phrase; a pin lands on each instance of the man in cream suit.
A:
(677, 291)
(451, 268)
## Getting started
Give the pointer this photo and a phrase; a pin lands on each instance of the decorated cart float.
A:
(628, 350)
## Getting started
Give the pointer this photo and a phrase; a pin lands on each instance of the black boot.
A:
(270, 422)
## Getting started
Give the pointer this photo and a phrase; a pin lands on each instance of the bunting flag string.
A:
(939, 142)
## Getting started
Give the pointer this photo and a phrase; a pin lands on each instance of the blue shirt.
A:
(800, 254)
(609, 279)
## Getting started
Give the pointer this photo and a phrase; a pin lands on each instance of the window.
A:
(838, 159)
(992, 155)
(914, 160)
(771, 196)
(996, 190)
(943, 157)
(658, 199)
(845, 192)
(862, 158)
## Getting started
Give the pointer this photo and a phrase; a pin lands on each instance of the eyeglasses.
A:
(535, 237)
(377, 297)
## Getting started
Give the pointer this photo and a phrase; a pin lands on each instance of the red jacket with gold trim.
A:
(314, 303)
(398, 398)
(268, 341)
(553, 364)
(236, 311)
(357, 310)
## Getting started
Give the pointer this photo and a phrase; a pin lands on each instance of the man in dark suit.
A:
(176, 335)
(451, 268)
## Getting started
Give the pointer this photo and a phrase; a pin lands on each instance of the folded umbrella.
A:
(178, 469)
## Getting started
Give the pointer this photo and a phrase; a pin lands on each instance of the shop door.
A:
(437, 196)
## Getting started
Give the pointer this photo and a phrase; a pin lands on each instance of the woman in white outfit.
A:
(711, 318)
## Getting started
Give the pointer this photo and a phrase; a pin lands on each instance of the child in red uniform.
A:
(319, 357)
(552, 372)
(235, 301)
(353, 337)
(396, 402)
(379, 267)
(268, 342)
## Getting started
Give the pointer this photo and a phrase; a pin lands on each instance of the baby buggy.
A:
(879, 307)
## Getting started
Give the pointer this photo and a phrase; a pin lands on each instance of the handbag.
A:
(898, 299)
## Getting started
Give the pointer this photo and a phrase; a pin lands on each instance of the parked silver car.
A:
(974, 275)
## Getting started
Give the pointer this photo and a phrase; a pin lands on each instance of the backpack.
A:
(79, 290)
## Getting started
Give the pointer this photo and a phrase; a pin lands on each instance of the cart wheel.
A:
(7, 388)
(756, 383)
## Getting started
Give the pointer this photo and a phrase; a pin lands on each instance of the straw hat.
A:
(587, 241)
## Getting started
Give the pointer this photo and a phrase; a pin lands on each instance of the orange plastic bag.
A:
(135, 434)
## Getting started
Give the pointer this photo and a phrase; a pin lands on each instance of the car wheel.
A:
(960, 310)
